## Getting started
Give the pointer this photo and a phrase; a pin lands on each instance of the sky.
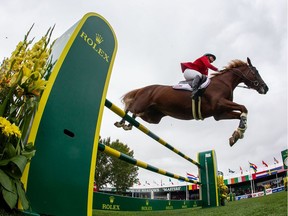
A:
(154, 37)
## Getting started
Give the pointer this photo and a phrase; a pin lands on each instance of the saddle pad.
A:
(185, 86)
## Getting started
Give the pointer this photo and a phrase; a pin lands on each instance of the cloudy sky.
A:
(153, 38)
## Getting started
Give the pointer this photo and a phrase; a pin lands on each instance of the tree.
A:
(103, 167)
(111, 170)
(123, 175)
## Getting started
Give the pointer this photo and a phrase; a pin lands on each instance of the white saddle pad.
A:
(186, 86)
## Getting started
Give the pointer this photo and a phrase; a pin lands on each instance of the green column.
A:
(208, 177)
(66, 127)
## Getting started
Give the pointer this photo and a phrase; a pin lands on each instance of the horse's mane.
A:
(235, 63)
(232, 64)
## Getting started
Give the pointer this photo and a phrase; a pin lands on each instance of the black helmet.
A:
(209, 54)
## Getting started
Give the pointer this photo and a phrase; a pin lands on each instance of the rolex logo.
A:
(111, 199)
(147, 202)
(93, 43)
(99, 39)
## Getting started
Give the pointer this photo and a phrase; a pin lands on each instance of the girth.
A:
(196, 108)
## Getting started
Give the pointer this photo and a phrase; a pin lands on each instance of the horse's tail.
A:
(128, 98)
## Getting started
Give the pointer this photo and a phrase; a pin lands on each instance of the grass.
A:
(275, 204)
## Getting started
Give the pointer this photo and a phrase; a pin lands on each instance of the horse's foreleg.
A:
(233, 111)
(239, 132)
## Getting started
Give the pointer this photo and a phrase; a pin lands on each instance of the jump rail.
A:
(145, 130)
(115, 153)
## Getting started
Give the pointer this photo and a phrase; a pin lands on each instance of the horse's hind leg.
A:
(120, 123)
(129, 126)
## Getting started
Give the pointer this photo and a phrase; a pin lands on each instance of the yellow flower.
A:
(9, 129)
(15, 130)
(37, 86)
(4, 122)
(13, 80)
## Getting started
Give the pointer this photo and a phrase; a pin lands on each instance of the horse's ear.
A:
(249, 61)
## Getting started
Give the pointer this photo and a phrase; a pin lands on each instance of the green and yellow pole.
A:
(139, 163)
(146, 131)
(66, 128)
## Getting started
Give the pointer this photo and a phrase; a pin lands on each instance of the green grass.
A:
(275, 204)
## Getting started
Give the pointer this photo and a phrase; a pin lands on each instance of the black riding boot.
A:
(195, 86)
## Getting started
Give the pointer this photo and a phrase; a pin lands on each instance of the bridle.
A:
(245, 76)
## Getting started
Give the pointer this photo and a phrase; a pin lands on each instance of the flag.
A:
(276, 161)
(241, 170)
(253, 166)
(265, 164)
(191, 176)
(231, 171)
(171, 181)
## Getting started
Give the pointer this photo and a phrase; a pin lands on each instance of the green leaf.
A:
(10, 197)
(9, 151)
(4, 162)
(6, 181)
(29, 151)
(20, 161)
(16, 166)
(22, 195)
(28, 154)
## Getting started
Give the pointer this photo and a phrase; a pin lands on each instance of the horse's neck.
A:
(231, 78)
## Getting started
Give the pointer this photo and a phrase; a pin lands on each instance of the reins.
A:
(244, 76)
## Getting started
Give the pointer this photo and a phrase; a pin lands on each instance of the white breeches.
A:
(190, 74)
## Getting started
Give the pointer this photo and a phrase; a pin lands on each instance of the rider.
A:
(198, 70)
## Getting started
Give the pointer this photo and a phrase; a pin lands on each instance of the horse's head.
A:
(254, 80)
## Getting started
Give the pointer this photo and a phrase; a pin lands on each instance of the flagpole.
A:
(186, 192)
(251, 179)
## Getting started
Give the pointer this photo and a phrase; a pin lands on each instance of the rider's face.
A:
(211, 59)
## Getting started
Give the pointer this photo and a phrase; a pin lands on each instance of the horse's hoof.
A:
(127, 127)
(231, 141)
(118, 124)
(234, 138)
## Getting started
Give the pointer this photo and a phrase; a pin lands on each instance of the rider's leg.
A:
(195, 85)
(195, 77)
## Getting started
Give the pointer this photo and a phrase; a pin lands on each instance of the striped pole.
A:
(128, 159)
(145, 130)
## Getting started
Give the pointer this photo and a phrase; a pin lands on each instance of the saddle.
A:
(196, 101)
(186, 85)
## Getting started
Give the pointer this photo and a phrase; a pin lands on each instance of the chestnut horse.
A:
(152, 103)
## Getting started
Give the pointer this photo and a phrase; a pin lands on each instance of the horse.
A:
(153, 102)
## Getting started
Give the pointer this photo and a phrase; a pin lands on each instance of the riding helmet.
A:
(209, 54)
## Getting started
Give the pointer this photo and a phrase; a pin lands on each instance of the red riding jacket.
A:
(201, 64)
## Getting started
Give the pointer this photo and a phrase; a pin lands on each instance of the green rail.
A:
(145, 130)
(128, 159)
